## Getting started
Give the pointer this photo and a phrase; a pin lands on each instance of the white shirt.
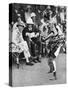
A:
(27, 16)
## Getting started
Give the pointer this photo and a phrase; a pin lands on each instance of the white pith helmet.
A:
(33, 14)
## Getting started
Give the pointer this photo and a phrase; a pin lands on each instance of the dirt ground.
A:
(37, 74)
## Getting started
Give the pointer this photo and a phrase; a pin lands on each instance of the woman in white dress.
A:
(21, 45)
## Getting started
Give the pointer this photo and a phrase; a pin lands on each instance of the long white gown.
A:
(20, 44)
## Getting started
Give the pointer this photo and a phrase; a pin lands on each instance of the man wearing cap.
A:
(31, 35)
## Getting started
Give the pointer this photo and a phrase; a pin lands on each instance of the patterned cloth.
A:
(19, 43)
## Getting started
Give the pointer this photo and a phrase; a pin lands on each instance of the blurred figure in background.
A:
(33, 16)
(28, 13)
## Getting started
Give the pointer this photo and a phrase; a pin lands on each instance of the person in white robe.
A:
(21, 45)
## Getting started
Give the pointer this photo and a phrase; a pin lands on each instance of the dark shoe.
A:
(29, 63)
(38, 59)
(35, 61)
(30, 59)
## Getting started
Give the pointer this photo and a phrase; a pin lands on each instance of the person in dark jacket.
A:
(31, 34)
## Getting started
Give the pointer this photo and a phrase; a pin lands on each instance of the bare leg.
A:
(50, 65)
(54, 72)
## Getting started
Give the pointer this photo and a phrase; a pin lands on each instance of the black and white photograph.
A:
(37, 44)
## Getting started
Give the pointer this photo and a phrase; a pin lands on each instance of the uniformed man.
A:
(31, 35)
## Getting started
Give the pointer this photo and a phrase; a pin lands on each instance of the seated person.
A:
(31, 35)
(20, 42)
